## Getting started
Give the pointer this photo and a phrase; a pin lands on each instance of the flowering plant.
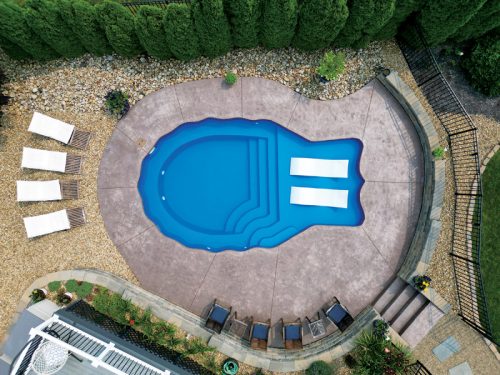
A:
(422, 282)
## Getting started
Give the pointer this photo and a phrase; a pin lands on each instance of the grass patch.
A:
(490, 242)
(71, 286)
(54, 286)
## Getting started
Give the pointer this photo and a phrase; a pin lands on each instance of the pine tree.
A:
(382, 12)
(81, 16)
(180, 31)
(319, 23)
(360, 11)
(212, 27)
(403, 9)
(118, 24)
(244, 20)
(487, 18)
(279, 18)
(14, 28)
(13, 50)
(149, 29)
(44, 18)
(441, 19)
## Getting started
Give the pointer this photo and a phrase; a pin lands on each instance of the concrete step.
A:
(421, 325)
(410, 312)
(399, 303)
(389, 294)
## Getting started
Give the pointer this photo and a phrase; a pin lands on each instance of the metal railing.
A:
(462, 140)
(417, 368)
(134, 6)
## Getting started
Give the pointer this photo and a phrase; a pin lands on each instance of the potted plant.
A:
(422, 282)
(64, 297)
(38, 295)
(116, 103)
(230, 78)
(331, 66)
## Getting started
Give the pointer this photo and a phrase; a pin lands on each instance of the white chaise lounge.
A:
(59, 130)
(55, 161)
(319, 197)
(54, 190)
(54, 222)
(319, 167)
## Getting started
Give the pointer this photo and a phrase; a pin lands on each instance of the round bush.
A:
(319, 368)
(230, 78)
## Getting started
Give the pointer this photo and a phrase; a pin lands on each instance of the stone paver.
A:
(446, 349)
(296, 278)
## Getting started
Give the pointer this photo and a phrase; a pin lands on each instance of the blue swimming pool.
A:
(237, 184)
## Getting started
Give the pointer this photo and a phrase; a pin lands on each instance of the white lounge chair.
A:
(318, 167)
(34, 158)
(59, 130)
(54, 222)
(54, 190)
(319, 197)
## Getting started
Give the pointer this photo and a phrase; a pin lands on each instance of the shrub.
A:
(244, 20)
(180, 32)
(116, 103)
(382, 12)
(332, 65)
(359, 12)
(38, 295)
(149, 29)
(84, 289)
(195, 346)
(421, 282)
(380, 328)
(279, 18)
(319, 23)
(212, 27)
(45, 19)
(71, 286)
(81, 17)
(114, 306)
(62, 297)
(441, 19)
(487, 18)
(483, 67)
(319, 368)
(117, 23)
(13, 50)
(402, 10)
(15, 29)
(230, 78)
(54, 286)
(438, 152)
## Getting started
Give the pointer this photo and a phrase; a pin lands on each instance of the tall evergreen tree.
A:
(360, 12)
(382, 12)
(45, 19)
(244, 20)
(441, 19)
(81, 16)
(279, 18)
(14, 27)
(13, 50)
(118, 23)
(319, 23)
(487, 18)
(403, 9)
(180, 31)
(149, 29)
(212, 27)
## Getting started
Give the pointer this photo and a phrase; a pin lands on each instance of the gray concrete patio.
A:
(296, 278)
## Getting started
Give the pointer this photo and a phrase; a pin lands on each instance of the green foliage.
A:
(212, 27)
(116, 103)
(149, 29)
(319, 23)
(117, 23)
(441, 19)
(180, 32)
(84, 289)
(382, 12)
(15, 29)
(244, 20)
(13, 50)
(37, 295)
(81, 17)
(319, 368)
(483, 65)
(375, 355)
(402, 10)
(62, 297)
(44, 18)
(487, 18)
(279, 18)
(114, 306)
(230, 78)
(210, 362)
(438, 152)
(71, 285)
(331, 65)
(54, 286)
(195, 346)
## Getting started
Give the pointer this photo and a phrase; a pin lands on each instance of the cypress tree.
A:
(279, 18)
(360, 12)
(403, 9)
(81, 16)
(149, 29)
(244, 20)
(180, 32)
(14, 28)
(13, 50)
(45, 19)
(441, 19)
(118, 24)
(486, 19)
(319, 23)
(212, 27)
(382, 12)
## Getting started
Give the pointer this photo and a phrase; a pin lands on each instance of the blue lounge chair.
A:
(217, 317)
(339, 315)
(292, 334)
(259, 335)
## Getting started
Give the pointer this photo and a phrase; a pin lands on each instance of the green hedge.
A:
(486, 19)
(180, 32)
(279, 18)
(149, 29)
(212, 27)
(244, 20)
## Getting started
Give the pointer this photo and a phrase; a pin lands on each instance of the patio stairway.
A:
(407, 311)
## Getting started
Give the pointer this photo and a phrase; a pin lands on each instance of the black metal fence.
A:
(32, 347)
(134, 6)
(462, 139)
(417, 368)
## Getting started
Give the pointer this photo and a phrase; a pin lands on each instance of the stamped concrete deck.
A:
(296, 278)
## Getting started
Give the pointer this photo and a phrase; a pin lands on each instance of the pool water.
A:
(227, 184)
